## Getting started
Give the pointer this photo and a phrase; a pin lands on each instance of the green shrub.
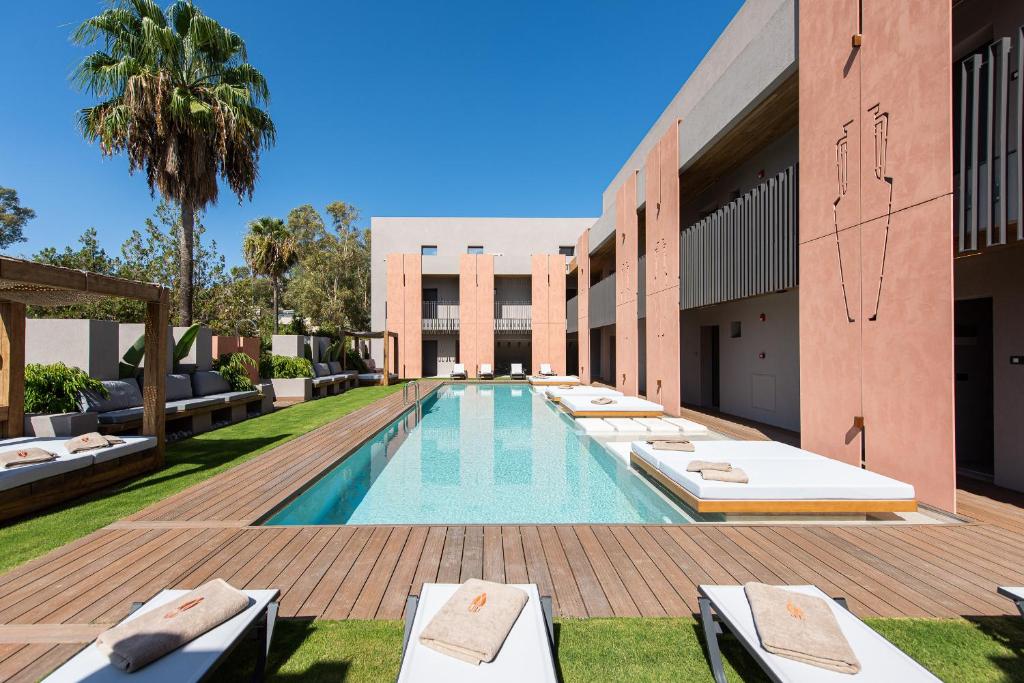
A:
(286, 367)
(55, 388)
(355, 362)
(233, 367)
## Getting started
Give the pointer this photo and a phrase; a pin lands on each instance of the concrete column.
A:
(627, 354)
(583, 307)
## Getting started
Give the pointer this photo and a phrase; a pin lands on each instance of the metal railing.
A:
(441, 316)
(513, 316)
(415, 397)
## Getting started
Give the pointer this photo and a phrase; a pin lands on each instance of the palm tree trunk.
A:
(273, 286)
(186, 267)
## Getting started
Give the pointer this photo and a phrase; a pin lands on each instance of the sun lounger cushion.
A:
(193, 403)
(554, 379)
(65, 462)
(335, 367)
(687, 426)
(113, 417)
(656, 425)
(239, 395)
(880, 660)
(208, 382)
(122, 393)
(594, 425)
(630, 404)
(580, 390)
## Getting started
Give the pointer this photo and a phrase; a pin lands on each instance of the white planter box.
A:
(300, 388)
(60, 424)
(267, 391)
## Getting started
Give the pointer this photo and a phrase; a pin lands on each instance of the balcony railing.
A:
(441, 316)
(511, 317)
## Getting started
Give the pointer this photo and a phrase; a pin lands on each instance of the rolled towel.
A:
(25, 456)
(801, 627)
(672, 445)
(91, 441)
(602, 401)
(735, 475)
(133, 644)
(476, 620)
(701, 465)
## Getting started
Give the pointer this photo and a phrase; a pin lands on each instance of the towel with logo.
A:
(25, 456)
(474, 623)
(91, 442)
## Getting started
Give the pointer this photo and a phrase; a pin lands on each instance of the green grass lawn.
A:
(633, 650)
(188, 462)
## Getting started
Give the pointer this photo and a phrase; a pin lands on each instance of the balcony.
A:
(512, 317)
(441, 317)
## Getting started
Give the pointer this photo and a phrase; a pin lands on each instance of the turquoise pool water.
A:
(481, 454)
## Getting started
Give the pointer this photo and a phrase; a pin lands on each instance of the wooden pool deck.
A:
(51, 606)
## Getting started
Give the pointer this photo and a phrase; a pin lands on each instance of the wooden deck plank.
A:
(536, 565)
(368, 601)
(472, 554)
(392, 605)
(341, 606)
(671, 601)
(494, 557)
(615, 592)
(450, 569)
(590, 587)
(639, 592)
(293, 599)
(430, 559)
(512, 552)
(321, 597)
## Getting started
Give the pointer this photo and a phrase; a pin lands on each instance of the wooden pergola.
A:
(389, 338)
(24, 283)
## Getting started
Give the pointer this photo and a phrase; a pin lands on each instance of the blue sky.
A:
(463, 108)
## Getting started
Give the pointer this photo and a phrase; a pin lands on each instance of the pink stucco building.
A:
(821, 232)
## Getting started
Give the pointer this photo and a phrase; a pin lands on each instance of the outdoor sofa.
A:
(330, 379)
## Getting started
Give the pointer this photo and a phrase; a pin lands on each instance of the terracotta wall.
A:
(661, 173)
(876, 197)
(627, 355)
(405, 312)
(476, 311)
(583, 300)
(548, 311)
(250, 346)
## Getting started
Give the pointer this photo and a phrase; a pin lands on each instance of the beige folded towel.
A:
(26, 456)
(800, 627)
(701, 465)
(681, 445)
(91, 441)
(602, 401)
(133, 644)
(734, 475)
(473, 624)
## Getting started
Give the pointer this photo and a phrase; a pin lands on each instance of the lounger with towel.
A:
(554, 380)
(620, 406)
(486, 372)
(479, 631)
(1015, 593)
(555, 394)
(516, 371)
(178, 636)
(458, 371)
(798, 633)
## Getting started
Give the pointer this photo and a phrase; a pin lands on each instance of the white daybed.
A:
(624, 406)
(553, 380)
(880, 660)
(783, 479)
(527, 654)
(556, 393)
(13, 477)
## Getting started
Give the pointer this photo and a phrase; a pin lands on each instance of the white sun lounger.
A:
(527, 655)
(783, 479)
(458, 371)
(545, 369)
(687, 426)
(880, 660)
(595, 425)
(485, 371)
(192, 662)
(625, 406)
(553, 380)
(556, 393)
(1015, 593)
(516, 371)
(657, 426)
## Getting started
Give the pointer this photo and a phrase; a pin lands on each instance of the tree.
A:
(180, 98)
(271, 250)
(13, 217)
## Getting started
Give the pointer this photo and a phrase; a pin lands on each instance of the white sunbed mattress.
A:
(631, 404)
(554, 379)
(580, 390)
(65, 462)
(776, 472)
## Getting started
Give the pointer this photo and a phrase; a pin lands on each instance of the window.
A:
(567, 251)
(428, 250)
(430, 294)
(474, 250)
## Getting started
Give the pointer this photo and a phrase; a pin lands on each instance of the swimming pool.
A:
(481, 454)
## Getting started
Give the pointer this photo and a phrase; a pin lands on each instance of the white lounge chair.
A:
(517, 371)
(545, 369)
(880, 660)
(623, 406)
(458, 371)
(1015, 593)
(485, 371)
(527, 655)
(192, 662)
(556, 393)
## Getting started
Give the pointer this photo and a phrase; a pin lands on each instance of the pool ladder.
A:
(416, 397)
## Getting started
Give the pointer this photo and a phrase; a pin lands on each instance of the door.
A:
(429, 357)
(974, 386)
(710, 387)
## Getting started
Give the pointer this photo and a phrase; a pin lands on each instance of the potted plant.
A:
(292, 377)
(52, 400)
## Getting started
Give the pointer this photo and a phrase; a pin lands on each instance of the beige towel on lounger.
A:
(91, 441)
(681, 445)
(734, 475)
(701, 465)
(476, 620)
(25, 456)
(602, 401)
(800, 627)
(133, 644)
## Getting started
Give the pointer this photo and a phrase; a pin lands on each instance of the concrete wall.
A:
(627, 372)
(128, 334)
(763, 389)
(476, 311)
(548, 312)
(289, 345)
(583, 305)
(513, 288)
(91, 345)
(884, 355)
(201, 354)
(405, 313)
(447, 286)
(250, 346)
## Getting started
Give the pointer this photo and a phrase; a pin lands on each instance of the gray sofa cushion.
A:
(335, 367)
(178, 387)
(238, 395)
(209, 382)
(120, 416)
(123, 393)
(321, 369)
(191, 403)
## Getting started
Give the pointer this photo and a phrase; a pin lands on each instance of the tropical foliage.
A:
(178, 96)
(55, 388)
(271, 250)
(234, 368)
(13, 217)
(287, 367)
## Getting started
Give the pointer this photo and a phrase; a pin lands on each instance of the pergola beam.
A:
(155, 373)
(12, 367)
(76, 281)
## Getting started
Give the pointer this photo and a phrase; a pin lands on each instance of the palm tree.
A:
(271, 250)
(178, 96)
